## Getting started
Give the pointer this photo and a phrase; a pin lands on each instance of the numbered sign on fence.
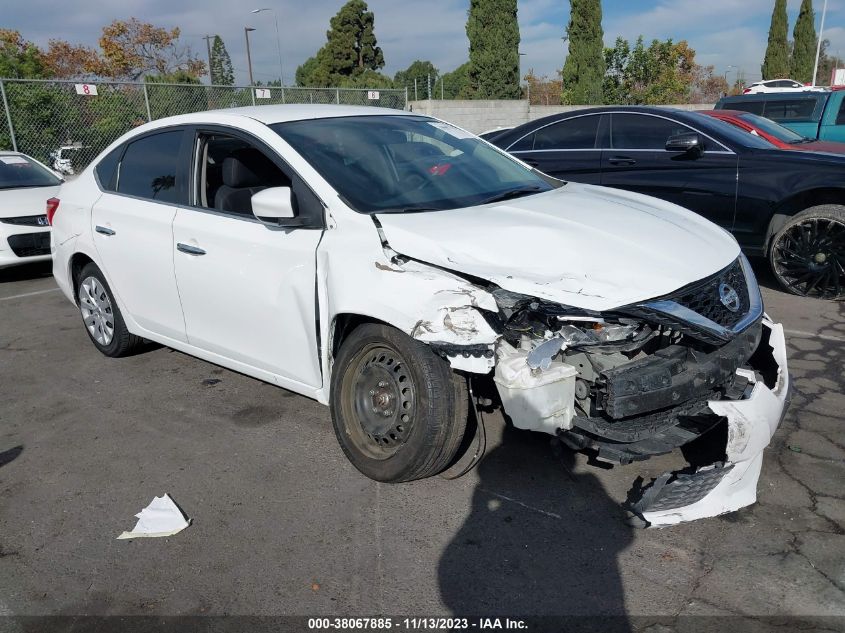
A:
(262, 93)
(372, 95)
(89, 90)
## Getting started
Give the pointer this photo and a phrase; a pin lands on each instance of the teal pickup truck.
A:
(816, 114)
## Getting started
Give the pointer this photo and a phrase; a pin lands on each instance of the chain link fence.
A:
(65, 124)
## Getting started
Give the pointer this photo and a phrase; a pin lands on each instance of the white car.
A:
(25, 187)
(778, 85)
(390, 265)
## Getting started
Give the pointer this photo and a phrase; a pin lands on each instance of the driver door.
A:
(638, 161)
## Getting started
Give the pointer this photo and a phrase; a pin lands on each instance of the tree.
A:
(493, 33)
(665, 72)
(19, 59)
(804, 49)
(707, 87)
(131, 49)
(584, 69)
(543, 90)
(350, 49)
(221, 71)
(64, 60)
(776, 62)
(421, 71)
(455, 85)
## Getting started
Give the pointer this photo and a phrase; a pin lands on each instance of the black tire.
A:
(807, 255)
(98, 298)
(379, 371)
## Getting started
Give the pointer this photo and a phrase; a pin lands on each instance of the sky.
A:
(728, 34)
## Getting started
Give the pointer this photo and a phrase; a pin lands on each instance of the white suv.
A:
(778, 85)
(391, 265)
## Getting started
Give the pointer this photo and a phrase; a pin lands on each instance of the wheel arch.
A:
(799, 202)
(78, 261)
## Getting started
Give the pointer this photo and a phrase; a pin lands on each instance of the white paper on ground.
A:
(161, 518)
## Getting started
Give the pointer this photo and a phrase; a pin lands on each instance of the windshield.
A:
(18, 171)
(406, 163)
(770, 127)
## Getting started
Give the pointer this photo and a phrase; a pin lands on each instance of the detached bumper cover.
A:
(725, 487)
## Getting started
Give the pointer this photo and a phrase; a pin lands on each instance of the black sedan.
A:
(787, 206)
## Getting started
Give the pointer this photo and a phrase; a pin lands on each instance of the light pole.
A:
(278, 41)
(819, 44)
(247, 29)
(208, 39)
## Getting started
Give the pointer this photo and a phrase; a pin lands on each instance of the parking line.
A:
(29, 294)
(823, 337)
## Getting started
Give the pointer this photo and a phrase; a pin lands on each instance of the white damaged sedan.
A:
(391, 266)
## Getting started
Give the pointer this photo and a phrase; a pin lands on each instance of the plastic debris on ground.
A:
(161, 518)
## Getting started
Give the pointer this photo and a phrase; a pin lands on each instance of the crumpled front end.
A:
(751, 421)
(646, 379)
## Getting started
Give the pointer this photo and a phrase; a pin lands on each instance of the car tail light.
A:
(746, 91)
(52, 207)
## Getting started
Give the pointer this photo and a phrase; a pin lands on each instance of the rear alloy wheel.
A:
(101, 316)
(399, 411)
(808, 253)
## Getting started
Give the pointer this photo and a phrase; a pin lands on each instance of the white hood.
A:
(591, 247)
(25, 201)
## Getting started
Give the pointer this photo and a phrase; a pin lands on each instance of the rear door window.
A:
(149, 168)
(576, 133)
(746, 105)
(796, 109)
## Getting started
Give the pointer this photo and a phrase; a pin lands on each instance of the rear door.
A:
(638, 161)
(247, 288)
(133, 233)
(568, 149)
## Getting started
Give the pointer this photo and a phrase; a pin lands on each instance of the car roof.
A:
(269, 114)
(508, 137)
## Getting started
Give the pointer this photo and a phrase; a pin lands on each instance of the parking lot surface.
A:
(283, 524)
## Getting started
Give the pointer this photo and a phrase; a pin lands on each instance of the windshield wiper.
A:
(801, 141)
(510, 194)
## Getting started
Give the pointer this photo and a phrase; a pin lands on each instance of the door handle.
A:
(103, 230)
(190, 250)
(621, 160)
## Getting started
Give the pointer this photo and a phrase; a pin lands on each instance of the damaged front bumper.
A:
(751, 422)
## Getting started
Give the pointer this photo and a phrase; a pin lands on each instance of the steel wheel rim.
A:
(809, 258)
(97, 312)
(382, 399)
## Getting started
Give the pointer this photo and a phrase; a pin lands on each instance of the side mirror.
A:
(687, 143)
(274, 206)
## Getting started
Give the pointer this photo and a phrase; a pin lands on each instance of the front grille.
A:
(27, 220)
(30, 244)
(703, 296)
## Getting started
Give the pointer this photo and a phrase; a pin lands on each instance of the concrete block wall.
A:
(479, 115)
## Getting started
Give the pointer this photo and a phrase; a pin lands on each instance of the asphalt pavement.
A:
(282, 524)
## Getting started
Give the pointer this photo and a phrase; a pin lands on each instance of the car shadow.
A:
(540, 540)
(25, 272)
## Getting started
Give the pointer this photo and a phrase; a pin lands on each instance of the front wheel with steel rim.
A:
(808, 253)
(101, 316)
(398, 410)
